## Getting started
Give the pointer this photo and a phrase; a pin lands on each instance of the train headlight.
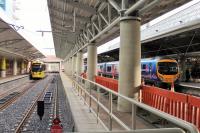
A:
(161, 78)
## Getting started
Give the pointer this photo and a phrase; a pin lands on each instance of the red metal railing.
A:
(107, 82)
(194, 110)
(185, 107)
(173, 103)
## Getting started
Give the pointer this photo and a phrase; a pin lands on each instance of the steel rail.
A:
(190, 128)
(30, 110)
(56, 105)
(10, 90)
(13, 99)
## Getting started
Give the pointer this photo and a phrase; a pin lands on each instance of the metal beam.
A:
(70, 15)
(139, 5)
(14, 53)
(24, 49)
(3, 29)
(10, 42)
(67, 20)
(70, 40)
(81, 6)
(69, 29)
(115, 5)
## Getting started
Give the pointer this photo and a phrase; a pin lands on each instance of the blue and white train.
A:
(152, 70)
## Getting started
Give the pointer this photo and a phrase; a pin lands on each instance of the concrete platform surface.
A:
(84, 120)
(7, 79)
(190, 84)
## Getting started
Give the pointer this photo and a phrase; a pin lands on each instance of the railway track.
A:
(30, 110)
(55, 107)
(15, 112)
(13, 94)
(20, 115)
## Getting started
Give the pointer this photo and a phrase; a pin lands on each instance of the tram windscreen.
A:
(167, 68)
(37, 68)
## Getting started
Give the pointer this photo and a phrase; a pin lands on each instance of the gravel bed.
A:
(34, 124)
(13, 83)
(12, 115)
(43, 126)
(64, 109)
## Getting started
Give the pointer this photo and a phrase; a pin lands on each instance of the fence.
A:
(185, 107)
(88, 87)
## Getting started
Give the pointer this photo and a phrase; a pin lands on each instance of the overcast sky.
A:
(34, 16)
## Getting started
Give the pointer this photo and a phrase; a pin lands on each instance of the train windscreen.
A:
(167, 68)
(37, 68)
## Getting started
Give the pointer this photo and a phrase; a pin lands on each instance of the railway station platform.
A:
(85, 121)
(89, 117)
(190, 85)
(11, 78)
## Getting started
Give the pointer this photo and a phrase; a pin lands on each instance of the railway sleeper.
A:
(48, 98)
(8, 97)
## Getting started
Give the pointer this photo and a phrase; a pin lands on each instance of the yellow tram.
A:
(37, 70)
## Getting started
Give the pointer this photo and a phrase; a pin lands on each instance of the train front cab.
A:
(37, 71)
(167, 70)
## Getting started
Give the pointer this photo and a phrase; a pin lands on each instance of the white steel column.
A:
(14, 67)
(182, 68)
(129, 61)
(22, 67)
(91, 62)
(3, 67)
(73, 65)
(79, 64)
(70, 66)
(67, 67)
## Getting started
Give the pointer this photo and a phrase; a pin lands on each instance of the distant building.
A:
(3, 4)
(10, 7)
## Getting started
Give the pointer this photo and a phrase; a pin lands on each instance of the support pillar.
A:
(3, 67)
(129, 61)
(79, 63)
(70, 66)
(25, 67)
(67, 67)
(14, 67)
(22, 67)
(73, 65)
(91, 62)
(182, 68)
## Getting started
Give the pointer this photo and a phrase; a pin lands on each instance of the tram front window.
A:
(36, 68)
(167, 68)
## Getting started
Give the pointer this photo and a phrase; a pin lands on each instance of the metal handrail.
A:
(79, 84)
(161, 130)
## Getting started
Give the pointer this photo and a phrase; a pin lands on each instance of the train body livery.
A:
(152, 70)
(37, 70)
(164, 70)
